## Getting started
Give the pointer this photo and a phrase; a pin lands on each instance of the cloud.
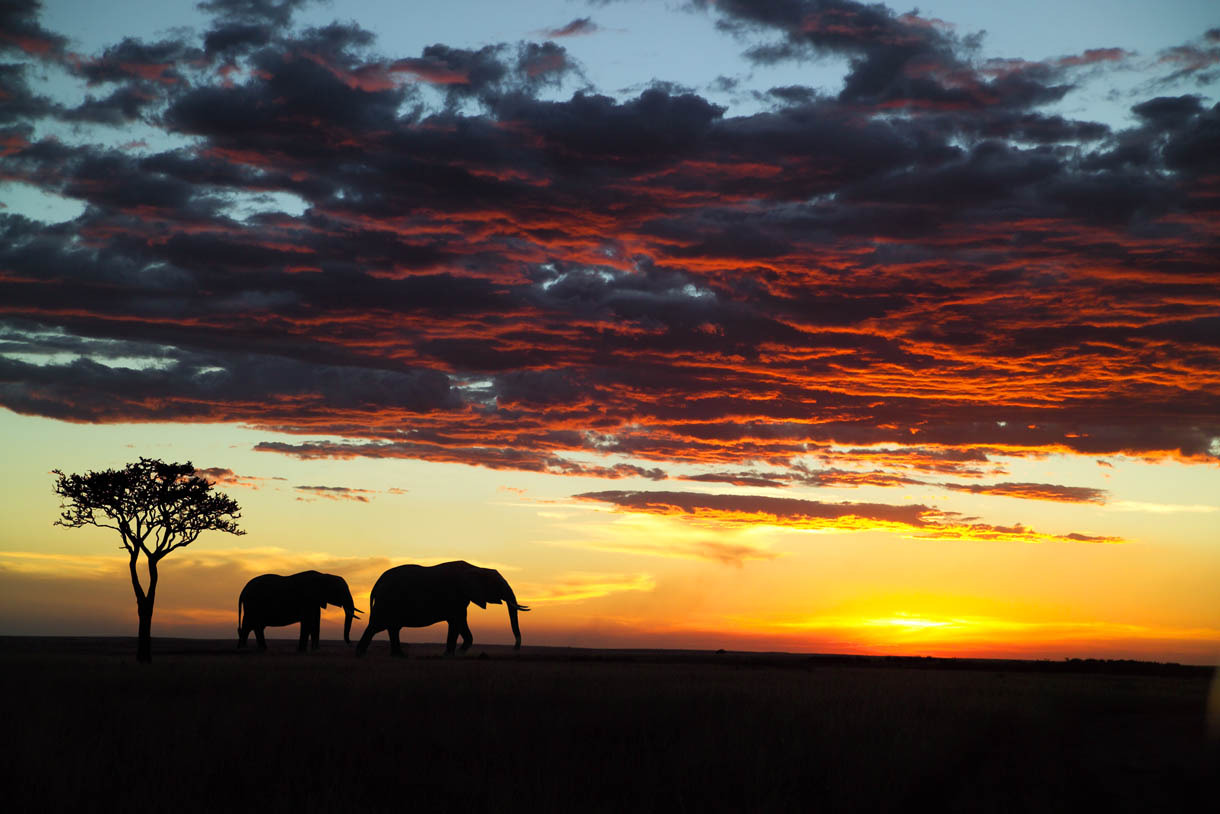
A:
(735, 553)
(223, 476)
(904, 61)
(914, 519)
(578, 27)
(21, 32)
(1033, 491)
(881, 478)
(1197, 60)
(156, 63)
(449, 256)
(490, 458)
(582, 585)
(277, 12)
(335, 493)
(491, 73)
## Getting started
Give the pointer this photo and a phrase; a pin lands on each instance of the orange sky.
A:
(602, 574)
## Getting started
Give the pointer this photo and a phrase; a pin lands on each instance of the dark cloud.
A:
(1198, 61)
(334, 493)
(909, 281)
(125, 104)
(1033, 491)
(448, 450)
(21, 104)
(794, 94)
(180, 387)
(275, 12)
(155, 63)
(915, 519)
(900, 61)
(1195, 147)
(776, 508)
(804, 476)
(232, 38)
(21, 32)
(1169, 111)
(542, 63)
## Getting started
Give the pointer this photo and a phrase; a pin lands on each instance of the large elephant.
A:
(271, 599)
(418, 596)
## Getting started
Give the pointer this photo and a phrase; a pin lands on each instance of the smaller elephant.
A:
(274, 600)
(418, 596)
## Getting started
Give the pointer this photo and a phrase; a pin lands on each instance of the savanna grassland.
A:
(205, 728)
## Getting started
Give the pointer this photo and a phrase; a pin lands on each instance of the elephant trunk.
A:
(513, 607)
(350, 611)
(512, 619)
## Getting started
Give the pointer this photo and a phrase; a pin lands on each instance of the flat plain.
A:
(208, 728)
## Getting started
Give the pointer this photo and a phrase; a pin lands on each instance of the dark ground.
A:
(206, 728)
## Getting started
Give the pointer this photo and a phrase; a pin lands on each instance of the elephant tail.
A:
(239, 609)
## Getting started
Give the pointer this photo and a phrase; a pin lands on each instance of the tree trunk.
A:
(144, 607)
(144, 647)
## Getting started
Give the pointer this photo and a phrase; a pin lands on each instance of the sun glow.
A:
(910, 623)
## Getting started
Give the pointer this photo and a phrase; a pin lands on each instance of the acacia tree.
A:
(156, 508)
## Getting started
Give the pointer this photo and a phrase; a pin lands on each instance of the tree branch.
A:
(135, 577)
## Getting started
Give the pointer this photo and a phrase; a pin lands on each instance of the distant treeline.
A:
(793, 660)
(1067, 665)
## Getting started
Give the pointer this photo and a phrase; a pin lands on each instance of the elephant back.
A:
(272, 599)
(415, 596)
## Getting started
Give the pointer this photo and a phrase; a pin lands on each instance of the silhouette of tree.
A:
(156, 507)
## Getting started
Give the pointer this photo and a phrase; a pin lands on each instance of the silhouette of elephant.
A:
(418, 596)
(274, 600)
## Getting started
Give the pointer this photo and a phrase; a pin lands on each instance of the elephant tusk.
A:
(523, 608)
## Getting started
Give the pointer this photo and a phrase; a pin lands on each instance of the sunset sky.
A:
(803, 325)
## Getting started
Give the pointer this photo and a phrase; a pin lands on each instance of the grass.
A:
(204, 728)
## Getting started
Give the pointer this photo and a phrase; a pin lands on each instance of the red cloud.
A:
(430, 71)
(335, 493)
(579, 26)
(915, 519)
(1033, 491)
(1093, 56)
(222, 476)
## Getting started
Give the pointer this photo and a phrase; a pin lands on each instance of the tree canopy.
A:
(156, 507)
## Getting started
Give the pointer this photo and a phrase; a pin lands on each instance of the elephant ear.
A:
(481, 586)
(311, 586)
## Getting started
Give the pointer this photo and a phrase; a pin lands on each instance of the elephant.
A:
(418, 596)
(271, 599)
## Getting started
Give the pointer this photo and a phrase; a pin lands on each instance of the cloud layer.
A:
(914, 519)
(453, 256)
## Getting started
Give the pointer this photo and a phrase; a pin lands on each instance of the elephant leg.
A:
(451, 639)
(303, 637)
(262, 642)
(467, 637)
(370, 631)
(242, 636)
(396, 648)
(315, 626)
